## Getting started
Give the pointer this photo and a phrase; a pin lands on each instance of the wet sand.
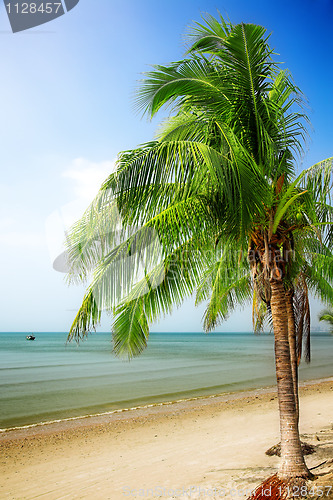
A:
(210, 447)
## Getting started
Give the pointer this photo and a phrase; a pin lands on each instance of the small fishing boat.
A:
(30, 337)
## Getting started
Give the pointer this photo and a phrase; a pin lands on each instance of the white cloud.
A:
(88, 177)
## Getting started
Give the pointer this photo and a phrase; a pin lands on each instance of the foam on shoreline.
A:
(227, 396)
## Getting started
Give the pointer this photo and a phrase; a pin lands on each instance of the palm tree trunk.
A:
(292, 345)
(292, 464)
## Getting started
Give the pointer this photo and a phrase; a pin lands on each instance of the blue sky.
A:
(67, 109)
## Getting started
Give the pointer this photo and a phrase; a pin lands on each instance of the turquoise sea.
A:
(47, 379)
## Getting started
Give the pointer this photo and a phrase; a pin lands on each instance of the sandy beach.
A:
(203, 448)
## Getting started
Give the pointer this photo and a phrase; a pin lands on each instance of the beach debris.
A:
(307, 449)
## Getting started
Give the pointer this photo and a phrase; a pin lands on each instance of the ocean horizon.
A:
(49, 379)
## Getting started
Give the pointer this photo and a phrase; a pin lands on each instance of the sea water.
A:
(49, 379)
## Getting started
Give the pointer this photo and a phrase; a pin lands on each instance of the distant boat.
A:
(30, 337)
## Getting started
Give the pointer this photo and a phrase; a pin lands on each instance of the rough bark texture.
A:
(292, 464)
(292, 345)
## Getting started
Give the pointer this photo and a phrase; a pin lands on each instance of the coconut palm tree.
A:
(212, 207)
(327, 316)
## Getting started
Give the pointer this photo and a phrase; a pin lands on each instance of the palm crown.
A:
(209, 196)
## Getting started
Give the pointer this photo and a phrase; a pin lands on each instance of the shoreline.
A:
(186, 449)
(158, 407)
(84, 382)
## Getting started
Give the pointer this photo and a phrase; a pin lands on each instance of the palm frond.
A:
(209, 37)
(261, 313)
(327, 315)
(130, 329)
(227, 294)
